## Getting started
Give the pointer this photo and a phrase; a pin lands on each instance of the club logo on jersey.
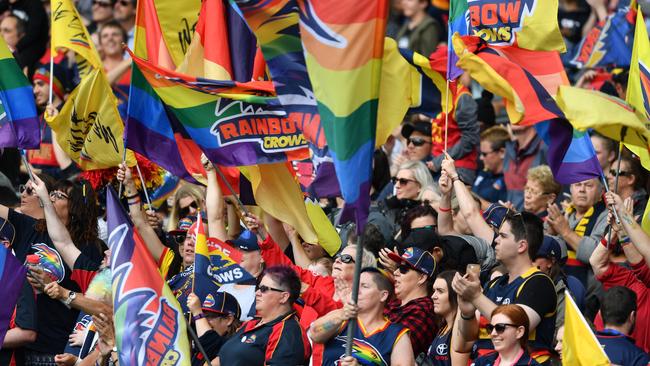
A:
(273, 129)
(364, 352)
(209, 301)
(498, 21)
(50, 260)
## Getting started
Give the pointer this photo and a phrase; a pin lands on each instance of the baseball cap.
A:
(495, 214)
(422, 127)
(247, 241)
(418, 259)
(7, 231)
(221, 303)
(550, 248)
(424, 238)
(184, 225)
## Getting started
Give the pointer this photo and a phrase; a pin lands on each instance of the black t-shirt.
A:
(211, 342)
(25, 318)
(55, 320)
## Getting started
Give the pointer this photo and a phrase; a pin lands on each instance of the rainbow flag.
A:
(230, 132)
(458, 24)
(149, 324)
(19, 126)
(12, 275)
(344, 44)
(528, 24)
(212, 265)
(275, 24)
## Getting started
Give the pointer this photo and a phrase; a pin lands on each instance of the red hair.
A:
(517, 316)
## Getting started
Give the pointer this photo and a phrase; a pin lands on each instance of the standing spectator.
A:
(526, 151)
(275, 338)
(581, 226)
(418, 143)
(13, 29)
(102, 13)
(31, 46)
(631, 182)
(508, 329)
(489, 184)
(118, 68)
(375, 336)
(618, 309)
(540, 191)
(519, 239)
(124, 12)
(420, 32)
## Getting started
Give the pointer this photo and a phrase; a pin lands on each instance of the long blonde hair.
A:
(186, 190)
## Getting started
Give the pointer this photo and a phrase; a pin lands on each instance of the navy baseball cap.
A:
(418, 259)
(7, 231)
(495, 214)
(550, 248)
(247, 241)
(421, 126)
(221, 303)
(424, 238)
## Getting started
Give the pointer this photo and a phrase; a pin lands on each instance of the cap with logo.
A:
(495, 214)
(418, 259)
(221, 303)
(247, 241)
(550, 248)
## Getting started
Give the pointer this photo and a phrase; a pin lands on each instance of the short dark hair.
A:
(286, 277)
(414, 213)
(381, 280)
(527, 226)
(617, 304)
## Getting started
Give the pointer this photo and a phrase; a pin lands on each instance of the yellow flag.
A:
(89, 128)
(579, 345)
(278, 194)
(68, 31)
(328, 237)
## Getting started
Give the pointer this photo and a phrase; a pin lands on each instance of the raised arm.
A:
(445, 219)
(55, 228)
(637, 236)
(299, 255)
(148, 234)
(214, 203)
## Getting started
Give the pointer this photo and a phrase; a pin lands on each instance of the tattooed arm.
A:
(330, 325)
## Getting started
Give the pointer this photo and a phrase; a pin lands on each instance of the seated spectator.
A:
(418, 143)
(420, 32)
(275, 337)
(540, 191)
(581, 226)
(631, 182)
(519, 239)
(618, 309)
(13, 29)
(524, 152)
(375, 337)
(509, 329)
(216, 320)
(606, 150)
(412, 306)
(489, 184)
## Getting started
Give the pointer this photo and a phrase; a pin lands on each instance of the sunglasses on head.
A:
(499, 327)
(417, 141)
(25, 189)
(186, 210)
(402, 181)
(264, 289)
(345, 258)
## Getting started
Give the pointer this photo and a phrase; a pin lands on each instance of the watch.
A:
(71, 296)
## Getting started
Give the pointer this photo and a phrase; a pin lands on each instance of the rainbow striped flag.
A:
(458, 23)
(149, 324)
(19, 125)
(343, 45)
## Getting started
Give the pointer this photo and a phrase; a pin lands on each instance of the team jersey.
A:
(438, 353)
(621, 349)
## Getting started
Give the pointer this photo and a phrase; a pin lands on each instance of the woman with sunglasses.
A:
(274, 337)
(188, 199)
(377, 340)
(508, 330)
(445, 306)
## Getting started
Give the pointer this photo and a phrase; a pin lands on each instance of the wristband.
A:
(624, 241)
(197, 317)
(603, 242)
(454, 179)
(471, 317)
(441, 209)
(132, 196)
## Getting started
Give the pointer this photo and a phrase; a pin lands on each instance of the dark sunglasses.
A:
(621, 173)
(58, 195)
(417, 141)
(484, 154)
(24, 189)
(186, 210)
(345, 258)
(402, 181)
(124, 2)
(499, 327)
(103, 4)
(264, 289)
(405, 268)
(179, 238)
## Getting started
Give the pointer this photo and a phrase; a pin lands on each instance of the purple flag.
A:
(12, 277)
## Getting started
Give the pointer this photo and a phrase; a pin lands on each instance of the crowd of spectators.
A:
(469, 249)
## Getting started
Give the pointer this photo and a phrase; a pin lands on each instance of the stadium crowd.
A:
(468, 252)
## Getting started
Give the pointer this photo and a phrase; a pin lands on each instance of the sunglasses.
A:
(58, 195)
(345, 258)
(123, 2)
(186, 210)
(484, 154)
(24, 189)
(405, 268)
(103, 4)
(179, 238)
(499, 327)
(621, 173)
(417, 141)
(264, 289)
(402, 181)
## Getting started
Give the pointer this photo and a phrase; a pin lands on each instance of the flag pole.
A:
(49, 100)
(231, 189)
(352, 325)
(446, 113)
(618, 171)
(144, 187)
(119, 189)
(618, 220)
